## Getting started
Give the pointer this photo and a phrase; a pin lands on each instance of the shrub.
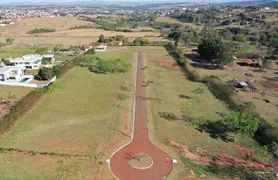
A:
(98, 65)
(41, 30)
(141, 41)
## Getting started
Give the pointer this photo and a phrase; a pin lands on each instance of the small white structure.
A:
(11, 73)
(101, 48)
(29, 61)
(51, 57)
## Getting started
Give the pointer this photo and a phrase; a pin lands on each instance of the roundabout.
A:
(141, 161)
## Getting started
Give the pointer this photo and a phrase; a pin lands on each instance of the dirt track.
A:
(119, 162)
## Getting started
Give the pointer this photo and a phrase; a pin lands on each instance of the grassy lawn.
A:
(79, 116)
(18, 166)
(166, 89)
(17, 92)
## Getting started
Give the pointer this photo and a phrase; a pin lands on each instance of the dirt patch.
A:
(5, 106)
(224, 159)
(269, 84)
(186, 153)
(169, 64)
(69, 146)
(191, 175)
(244, 152)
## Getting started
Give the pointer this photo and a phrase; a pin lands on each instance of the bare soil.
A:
(5, 106)
(223, 159)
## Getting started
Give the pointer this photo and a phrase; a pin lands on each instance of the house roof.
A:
(31, 56)
(27, 58)
(242, 83)
(7, 69)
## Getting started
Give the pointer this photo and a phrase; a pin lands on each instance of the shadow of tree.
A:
(216, 130)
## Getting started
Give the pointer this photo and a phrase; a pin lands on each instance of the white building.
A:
(11, 73)
(29, 61)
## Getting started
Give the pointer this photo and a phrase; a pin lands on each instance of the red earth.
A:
(119, 162)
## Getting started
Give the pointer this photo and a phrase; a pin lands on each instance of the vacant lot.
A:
(169, 91)
(82, 116)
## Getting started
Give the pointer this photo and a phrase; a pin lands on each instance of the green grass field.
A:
(80, 115)
(166, 89)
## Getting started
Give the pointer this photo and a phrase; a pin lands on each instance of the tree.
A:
(46, 73)
(242, 122)
(101, 39)
(209, 49)
(225, 55)
(10, 41)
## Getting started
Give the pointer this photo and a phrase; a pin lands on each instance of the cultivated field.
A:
(82, 116)
(169, 91)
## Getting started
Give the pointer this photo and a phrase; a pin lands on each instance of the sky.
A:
(53, 1)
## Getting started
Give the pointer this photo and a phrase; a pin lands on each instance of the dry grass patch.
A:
(59, 23)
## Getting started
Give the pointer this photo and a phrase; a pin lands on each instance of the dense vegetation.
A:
(101, 66)
(41, 30)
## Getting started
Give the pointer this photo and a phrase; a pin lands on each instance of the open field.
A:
(59, 23)
(164, 95)
(82, 116)
(171, 20)
(63, 34)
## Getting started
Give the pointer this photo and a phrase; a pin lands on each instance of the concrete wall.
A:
(31, 85)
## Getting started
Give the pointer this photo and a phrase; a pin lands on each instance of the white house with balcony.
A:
(11, 73)
(29, 61)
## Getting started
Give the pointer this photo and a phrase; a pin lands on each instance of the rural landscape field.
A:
(139, 91)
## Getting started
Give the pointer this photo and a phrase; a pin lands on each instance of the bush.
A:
(41, 30)
(98, 65)
(141, 41)
(221, 90)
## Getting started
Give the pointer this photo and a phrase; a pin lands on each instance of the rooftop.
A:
(8, 68)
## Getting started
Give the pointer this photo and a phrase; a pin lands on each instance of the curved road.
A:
(119, 162)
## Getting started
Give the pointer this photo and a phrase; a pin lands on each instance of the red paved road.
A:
(162, 162)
